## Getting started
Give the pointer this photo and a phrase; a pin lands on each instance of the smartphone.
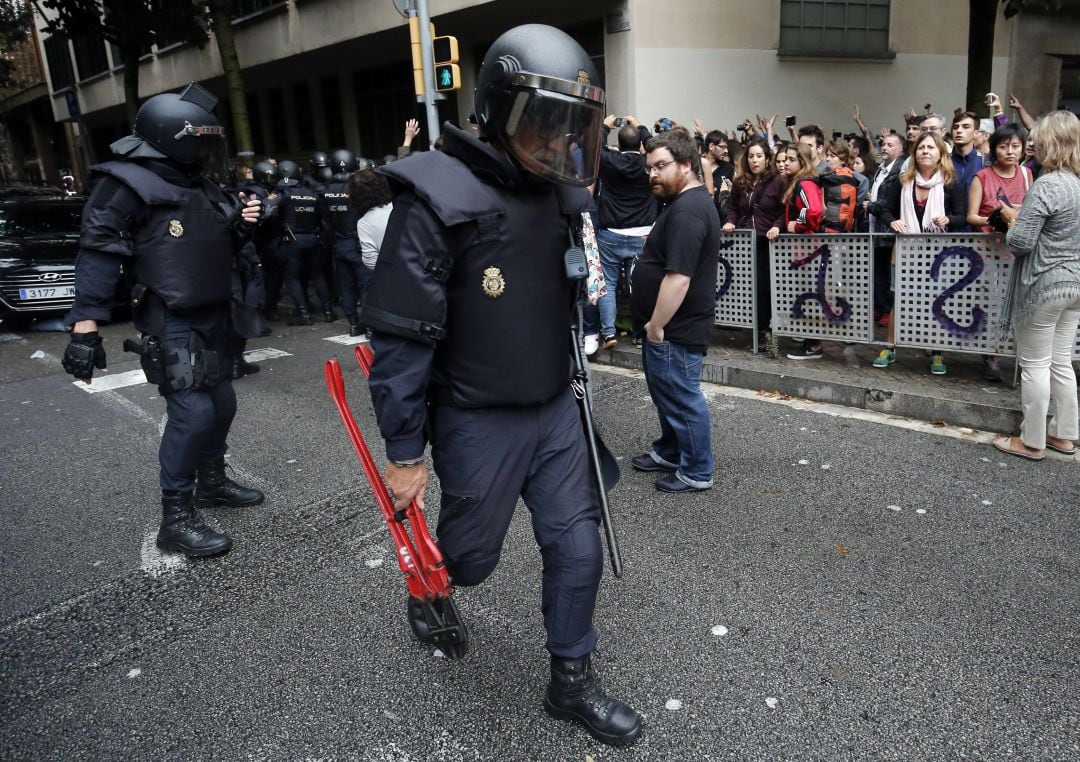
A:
(837, 135)
(620, 121)
(790, 121)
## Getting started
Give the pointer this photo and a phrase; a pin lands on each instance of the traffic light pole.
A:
(430, 95)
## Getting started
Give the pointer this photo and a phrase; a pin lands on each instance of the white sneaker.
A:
(592, 343)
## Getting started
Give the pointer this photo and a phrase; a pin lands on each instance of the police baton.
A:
(605, 468)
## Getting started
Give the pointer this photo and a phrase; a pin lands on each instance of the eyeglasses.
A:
(658, 167)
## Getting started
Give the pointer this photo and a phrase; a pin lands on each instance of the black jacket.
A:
(955, 204)
(625, 198)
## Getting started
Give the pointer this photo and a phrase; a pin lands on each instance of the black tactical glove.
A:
(83, 354)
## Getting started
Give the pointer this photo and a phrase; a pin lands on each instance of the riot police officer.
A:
(470, 311)
(155, 213)
(320, 171)
(267, 236)
(339, 226)
(301, 246)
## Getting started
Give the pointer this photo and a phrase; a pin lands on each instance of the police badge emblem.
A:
(583, 77)
(175, 228)
(493, 284)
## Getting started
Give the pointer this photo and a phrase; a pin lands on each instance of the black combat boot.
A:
(574, 694)
(300, 317)
(213, 487)
(328, 314)
(355, 329)
(184, 531)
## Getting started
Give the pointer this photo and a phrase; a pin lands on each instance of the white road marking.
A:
(10, 337)
(153, 561)
(110, 381)
(269, 353)
(840, 411)
(346, 339)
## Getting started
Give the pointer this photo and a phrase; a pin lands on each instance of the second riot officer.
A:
(470, 311)
(339, 226)
(155, 212)
(301, 246)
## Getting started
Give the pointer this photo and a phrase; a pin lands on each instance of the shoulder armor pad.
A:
(149, 187)
(446, 185)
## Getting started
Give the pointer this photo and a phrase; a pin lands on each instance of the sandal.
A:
(1062, 450)
(1005, 445)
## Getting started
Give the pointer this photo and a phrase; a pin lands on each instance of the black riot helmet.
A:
(290, 173)
(324, 175)
(318, 159)
(536, 97)
(343, 163)
(363, 163)
(178, 126)
(265, 174)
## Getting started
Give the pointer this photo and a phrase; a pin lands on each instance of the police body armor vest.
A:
(184, 249)
(298, 212)
(505, 339)
(342, 217)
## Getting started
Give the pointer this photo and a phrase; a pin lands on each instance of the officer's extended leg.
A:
(191, 422)
(214, 487)
(562, 498)
(316, 268)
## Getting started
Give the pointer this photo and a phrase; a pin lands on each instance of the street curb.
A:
(907, 404)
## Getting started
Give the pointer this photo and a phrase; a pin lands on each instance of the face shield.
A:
(553, 128)
(211, 150)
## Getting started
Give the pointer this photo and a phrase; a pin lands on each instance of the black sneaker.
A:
(608, 342)
(645, 462)
(991, 369)
(810, 350)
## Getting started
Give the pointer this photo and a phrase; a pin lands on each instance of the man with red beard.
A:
(673, 300)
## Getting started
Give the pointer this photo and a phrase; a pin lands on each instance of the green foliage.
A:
(15, 20)
(128, 24)
(1013, 7)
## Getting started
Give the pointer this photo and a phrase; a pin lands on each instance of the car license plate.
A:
(46, 292)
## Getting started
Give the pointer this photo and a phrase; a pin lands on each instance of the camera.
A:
(837, 135)
(620, 121)
(850, 135)
(790, 121)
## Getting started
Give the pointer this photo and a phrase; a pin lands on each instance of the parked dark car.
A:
(39, 237)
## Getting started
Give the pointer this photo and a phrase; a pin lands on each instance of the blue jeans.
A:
(673, 374)
(616, 253)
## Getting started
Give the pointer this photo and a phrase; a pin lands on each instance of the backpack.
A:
(841, 200)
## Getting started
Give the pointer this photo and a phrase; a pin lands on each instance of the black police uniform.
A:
(301, 247)
(470, 309)
(339, 226)
(177, 233)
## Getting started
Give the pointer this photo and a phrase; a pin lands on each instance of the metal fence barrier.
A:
(950, 288)
(736, 280)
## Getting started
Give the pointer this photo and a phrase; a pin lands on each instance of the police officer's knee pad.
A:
(580, 547)
(472, 573)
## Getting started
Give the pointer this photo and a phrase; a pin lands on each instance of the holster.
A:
(151, 357)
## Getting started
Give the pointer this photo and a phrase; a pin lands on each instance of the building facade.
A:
(322, 74)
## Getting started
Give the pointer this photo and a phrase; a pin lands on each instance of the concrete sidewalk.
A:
(845, 376)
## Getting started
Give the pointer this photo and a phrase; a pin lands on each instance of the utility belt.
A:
(443, 396)
(178, 368)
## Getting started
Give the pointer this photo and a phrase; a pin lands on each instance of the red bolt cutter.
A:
(432, 613)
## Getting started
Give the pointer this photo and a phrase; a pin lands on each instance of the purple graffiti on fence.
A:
(978, 314)
(819, 295)
(725, 286)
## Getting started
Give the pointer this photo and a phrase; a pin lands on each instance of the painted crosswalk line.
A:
(346, 339)
(111, 381)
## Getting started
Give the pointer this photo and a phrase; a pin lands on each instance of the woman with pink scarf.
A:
(928, 199)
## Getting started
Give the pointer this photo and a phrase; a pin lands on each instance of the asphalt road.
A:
(848, 590)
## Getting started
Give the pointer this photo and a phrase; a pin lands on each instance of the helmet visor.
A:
(556, 135)
(212, 156)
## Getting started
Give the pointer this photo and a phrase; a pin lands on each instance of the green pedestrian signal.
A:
(447, 77)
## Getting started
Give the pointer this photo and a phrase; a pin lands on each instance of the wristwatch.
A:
(408, 463)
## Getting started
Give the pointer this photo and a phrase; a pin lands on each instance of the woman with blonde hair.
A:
(928, 199)
(1043, 302)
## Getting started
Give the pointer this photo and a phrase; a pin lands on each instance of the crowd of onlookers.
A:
(966, 172)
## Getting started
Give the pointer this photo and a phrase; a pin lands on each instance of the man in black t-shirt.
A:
(673, 301)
